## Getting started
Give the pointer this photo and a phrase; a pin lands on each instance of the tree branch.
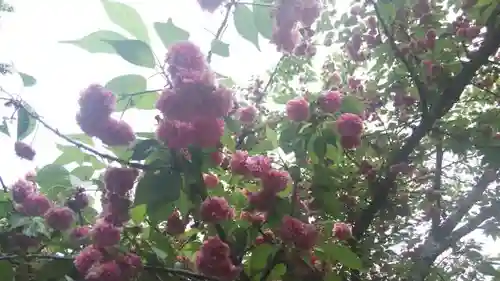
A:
(449, 97)
(222, 27)
(248, 131)
(436, 187)
(255, 4)
(3, 185)
(465, 205)
(451, 94)
(34, 115)
(173, 271)
(431, 250)
(423, 91)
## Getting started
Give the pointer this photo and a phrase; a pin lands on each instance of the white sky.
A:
(29, 38)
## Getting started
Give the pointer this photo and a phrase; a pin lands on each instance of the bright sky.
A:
(29, 38)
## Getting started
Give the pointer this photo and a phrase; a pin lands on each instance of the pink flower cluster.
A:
(272, 181)
(287, 15)
(30, 202)
(95, 264)
(193, 109)
(349, 125)
(101, 260)
(350, 128)
(94, 117)
(302, 235)
(116, 201)
(213, 259)
(330, 101)
(371, 38)
(216, 209)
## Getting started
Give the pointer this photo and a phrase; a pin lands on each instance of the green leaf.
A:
(97, 42)
(25, 123)
(260, 256)
(162, 255)
(225, 80)
(272, 136)
(35, 227)
(320, 147)
(6, 208)
(170, 33)
(278, 271)
(145, 101)
(6, 271)
(183, 203)
(157, 188)
(4, 128)
(53, 175)
(138, 213)
(332, 276)
(263, 19)
(84, 173)
(17, 220)
(288, 136)
(325, 23)
(351, 104)
(143, 148)
(134, 51)
(343, 255)
(245, 26)
(220, 48)
(125, 87)
(69, 155)
(81, 138)
(54, 269)
(233, 125)
(159, 212)
(127, 18)
(28, 80)
(240, 236)
(387, 12)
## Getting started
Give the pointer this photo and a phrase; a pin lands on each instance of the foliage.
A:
(381, 175)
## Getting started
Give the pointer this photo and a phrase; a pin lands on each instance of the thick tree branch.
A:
(466, 204)
(479, 58)
(448, 98)
(450, 95)
(431, 249)
(436, 186)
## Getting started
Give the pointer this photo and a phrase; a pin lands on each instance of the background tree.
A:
(380, 174)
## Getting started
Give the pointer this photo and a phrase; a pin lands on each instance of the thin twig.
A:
(19, 104)
(255, 4)
(422, 89)
(273, 74)
(173, 271)
(247, 132)
(4, 186)
(222, 27)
